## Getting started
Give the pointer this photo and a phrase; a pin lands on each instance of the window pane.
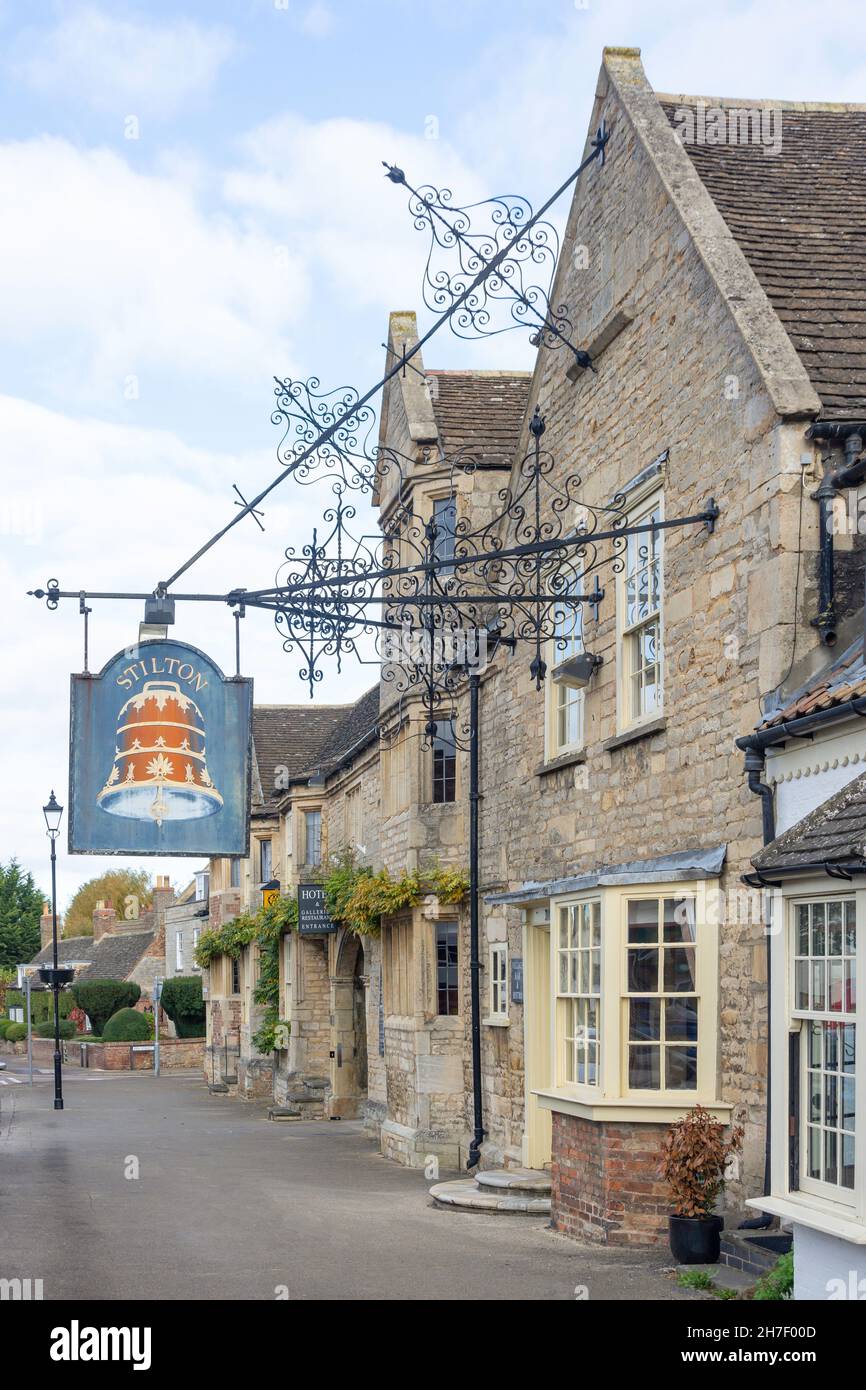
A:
(679, 919)
(643, 920)
(644, 1019)
(834, 929)
(818, 933)
(444, 761)
(834, 986)
(679, 969)
(819, 984)
(801, 985)
(643, 1068)
(681, 1020)
(643, 971)
(802, 929)
(682, 1068)
(850, 918)
(446, 967)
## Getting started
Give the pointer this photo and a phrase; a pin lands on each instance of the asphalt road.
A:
(228, 1205)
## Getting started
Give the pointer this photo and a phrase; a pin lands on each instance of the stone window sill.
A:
(564, 760)
(496, 1022)
(635, 733)
(661, 1110)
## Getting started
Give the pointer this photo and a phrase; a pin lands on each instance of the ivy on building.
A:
(264, 929)
(357, 898)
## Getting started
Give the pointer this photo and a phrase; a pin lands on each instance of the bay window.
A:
(634, 973)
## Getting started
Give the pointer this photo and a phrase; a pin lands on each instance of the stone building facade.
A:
(623, 960)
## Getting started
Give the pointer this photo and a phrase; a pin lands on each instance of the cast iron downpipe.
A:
(474, 951)
(849, 435)
(754, 767)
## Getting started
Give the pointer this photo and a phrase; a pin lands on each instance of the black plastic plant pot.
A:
(695, 1240)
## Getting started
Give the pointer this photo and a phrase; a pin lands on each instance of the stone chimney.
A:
(46, 926)
(163, 896)
(104, 918)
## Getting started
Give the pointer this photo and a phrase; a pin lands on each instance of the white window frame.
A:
(178, 950)
(576, 943)
(612, 1087)
(307, 812)
(568, 641)
(626, 632)
(802, 1017)
(498, 978)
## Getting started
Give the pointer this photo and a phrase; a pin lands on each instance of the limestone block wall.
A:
(679, 379)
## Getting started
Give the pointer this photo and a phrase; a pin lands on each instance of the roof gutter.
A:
(801, 727)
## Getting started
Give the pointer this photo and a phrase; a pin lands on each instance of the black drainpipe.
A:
(849, 436)
(753, 768)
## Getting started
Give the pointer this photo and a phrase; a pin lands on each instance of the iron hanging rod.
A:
(597, 152)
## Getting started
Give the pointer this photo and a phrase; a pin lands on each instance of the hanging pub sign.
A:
(313, 918)
(160, 755)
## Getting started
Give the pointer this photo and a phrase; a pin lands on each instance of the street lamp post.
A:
(53, 813)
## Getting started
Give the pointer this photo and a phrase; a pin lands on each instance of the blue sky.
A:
(191, 200)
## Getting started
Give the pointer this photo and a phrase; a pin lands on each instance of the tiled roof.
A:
(480, 412)
(112, 957)
(289, 736)
(361, 720)
(834, 833)
(799, 217)
(844, 680)
(68, 948)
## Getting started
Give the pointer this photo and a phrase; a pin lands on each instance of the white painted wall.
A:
(827, 1268)
(805, 773)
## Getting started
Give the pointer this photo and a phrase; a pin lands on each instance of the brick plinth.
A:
(606, 1185)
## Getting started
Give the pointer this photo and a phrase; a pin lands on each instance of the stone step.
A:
(303, 1098)
(284, 1112)
(514, 1179)
(465, 1195)
(218, 1088)
(316, 1083)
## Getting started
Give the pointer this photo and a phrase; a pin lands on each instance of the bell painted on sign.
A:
(160, 771)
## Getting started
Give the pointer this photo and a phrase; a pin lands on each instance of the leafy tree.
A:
(20, 910)
(115, 887)
(182, 1000)
(101, 998)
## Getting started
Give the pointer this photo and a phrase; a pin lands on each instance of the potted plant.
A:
(695, 1155)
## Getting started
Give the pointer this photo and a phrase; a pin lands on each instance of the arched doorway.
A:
(348, 1028)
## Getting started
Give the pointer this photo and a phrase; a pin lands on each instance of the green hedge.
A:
(101, 999)
(182, 1000)
(41, 1003)
(45, 1029)
(128, 1025)
(15, 1032)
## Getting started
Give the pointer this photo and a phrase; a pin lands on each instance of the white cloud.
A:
(107, 273)
(318, 22)
(121, 65)
(118, 508)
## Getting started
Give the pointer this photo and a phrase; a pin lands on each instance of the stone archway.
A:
(348, 1028)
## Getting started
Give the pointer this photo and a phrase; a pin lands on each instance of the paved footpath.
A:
(228, 1205)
